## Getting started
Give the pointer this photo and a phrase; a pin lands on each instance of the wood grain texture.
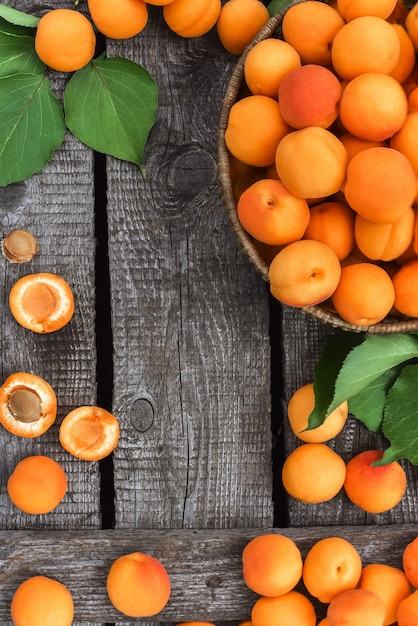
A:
(204, 566)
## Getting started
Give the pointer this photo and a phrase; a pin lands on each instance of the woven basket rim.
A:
(386, 326)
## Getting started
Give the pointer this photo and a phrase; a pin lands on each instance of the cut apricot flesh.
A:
(89, 432)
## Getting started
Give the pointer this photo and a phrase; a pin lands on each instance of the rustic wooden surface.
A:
(175, 332)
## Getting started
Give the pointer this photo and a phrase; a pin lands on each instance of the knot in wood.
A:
(191, 172)
(142, 414)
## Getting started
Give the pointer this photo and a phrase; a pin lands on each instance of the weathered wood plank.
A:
(204, 566)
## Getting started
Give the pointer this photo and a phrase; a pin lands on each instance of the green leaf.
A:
(368, 405)
(18, 17)
(31, 126)
(326, 372)
(400, 423)
(17, 51)
(110, 106)
(275, 6)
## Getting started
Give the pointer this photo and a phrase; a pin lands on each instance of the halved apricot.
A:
(89, 433)
(41, 302)
(28, 405)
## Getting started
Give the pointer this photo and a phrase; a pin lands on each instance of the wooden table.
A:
(174, 331)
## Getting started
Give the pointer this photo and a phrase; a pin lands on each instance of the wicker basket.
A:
(233, 93)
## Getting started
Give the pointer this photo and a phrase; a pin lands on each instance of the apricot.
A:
(385, 242)
(374, 489)
(120, 20)
(267, 63)
(310, 27)
(28, 405)
(271, 214)
(356, 607)
(309, 96)
(365, 44)
(299, 408)
(332, 565)
(364, 294)
(239, 22)
(408, 610)
(350, 9)
(404, 140)
(354, 144)
(332, 223)
(387, 582)
(37, 485)
(138, 585)
(411, 25)
(304, 273)
(89, 432)
(380, 184)
(313, 473)
(311, 162)
(289, 608)
(405, 283)
(272, 564)
(42, 601)
(255, 127)
(373, 106)
(406, 60)
(410, 562)
(192, 18)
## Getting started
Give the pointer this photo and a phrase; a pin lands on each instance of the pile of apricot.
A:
(324, 158)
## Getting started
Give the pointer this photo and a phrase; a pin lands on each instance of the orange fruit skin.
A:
(350, 9)
(290, 608)
(272, 564)
(332, 223)
(410, 562)
(192, 18)
(408, 610)
(405, 283)
(267, 63)
(138, 585)
(374, 489)
(239, 22)
(389, 583)
(356, 607)
(385, 242)
(42, 601)
(119, 20)
(37, 485)
(65, 40)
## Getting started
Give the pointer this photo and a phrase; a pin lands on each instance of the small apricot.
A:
(332, 223)
(192, 18)
(37, 485)
(42, 601)
(89, 432)
(119, 20)
(290, 608)
(408, 610)
(350, 9)
(356, 607)
(410, 562)
(239, 22)
(28, 405)
(267, 63)
(387, 582)
(385, 242)
(405, 283)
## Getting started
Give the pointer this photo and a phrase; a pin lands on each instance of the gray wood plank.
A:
(204, 566)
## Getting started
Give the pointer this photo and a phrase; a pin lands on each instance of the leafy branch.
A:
(378, 375)
(109, 105)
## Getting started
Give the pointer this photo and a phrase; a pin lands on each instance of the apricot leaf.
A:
(110, 106)
(32, 126)
(18, 17)
(17, 51)
(400, 423)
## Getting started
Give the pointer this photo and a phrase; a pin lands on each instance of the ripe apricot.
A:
(272, 564)
(404, 141)
(255, 127)
(120, 20)
(290, 608)
(271, 214)
(408, 610)
(380, 184)
(42, 601)
(41, 302)
(410, 562)
(304, 273)
(28, 405)
(332, 565)
(310, 27)
(356, 607)
(192, 18)
(37, 485)
(405, 283)
(387, 582)
(267, 63)
(373, 106)
(364, 294)
(138, 585)
(374, 489)
(406, 60)
(311, 162)
(411, 25)
(385, 242)
(313, 473)
(301, 405)
(350, 9)
(89, 432)
(239, 22)
(309, 95)
(354, 144)
(65, 40)
(365, 44)
(332, 223)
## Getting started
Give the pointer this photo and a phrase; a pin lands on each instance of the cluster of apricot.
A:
(66, 39)
(324, 160)
(313, 472)
(332, 572)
